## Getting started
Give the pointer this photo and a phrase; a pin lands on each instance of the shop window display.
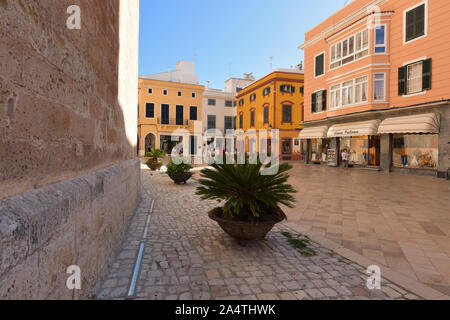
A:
(286, 146)
(419, 151)
(364, 150)
(319, 149)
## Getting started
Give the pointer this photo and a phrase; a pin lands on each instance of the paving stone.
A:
(329, 292)
(314, 293)
(187, 256)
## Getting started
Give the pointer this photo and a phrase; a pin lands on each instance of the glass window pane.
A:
(365, 39)
(415, 151)
(379, 35)
(358, 41)
(351, 45)
(415, 77)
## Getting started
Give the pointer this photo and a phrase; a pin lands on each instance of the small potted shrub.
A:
(179, 173)
(251, 200)
(153, 163)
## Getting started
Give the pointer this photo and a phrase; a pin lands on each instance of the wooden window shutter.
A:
(324, 100)
(313, 104)
(402, 80)
(426, 74)
(302, 90)
(292, 89)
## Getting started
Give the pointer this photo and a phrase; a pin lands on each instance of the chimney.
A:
(207, 84)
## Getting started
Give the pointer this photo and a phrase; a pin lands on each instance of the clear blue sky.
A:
(245, 33)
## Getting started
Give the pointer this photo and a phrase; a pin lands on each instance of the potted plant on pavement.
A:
(251, 199)
(179, 172)
(153, 163)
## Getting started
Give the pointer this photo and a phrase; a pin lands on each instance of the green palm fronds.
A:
(248, 194)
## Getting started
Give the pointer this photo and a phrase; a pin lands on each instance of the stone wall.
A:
(60, 114)
(69, 180)
(72, 222)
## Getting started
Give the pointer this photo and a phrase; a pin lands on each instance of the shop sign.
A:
(331, 157)
(346, 132)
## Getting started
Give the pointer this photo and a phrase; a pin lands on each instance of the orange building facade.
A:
(377, 75)
(169, 113)
(272, 102)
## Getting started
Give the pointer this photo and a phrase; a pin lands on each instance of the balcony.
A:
(172, 122)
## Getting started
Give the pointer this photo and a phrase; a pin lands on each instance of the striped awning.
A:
(419, 123)
(364, 128)
(314, 133)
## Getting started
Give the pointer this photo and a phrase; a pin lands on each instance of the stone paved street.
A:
(188, 256)
(401, 221)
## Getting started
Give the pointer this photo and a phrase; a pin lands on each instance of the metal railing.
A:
(173, 122)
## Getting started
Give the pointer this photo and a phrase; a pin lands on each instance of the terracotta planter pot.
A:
(244, 230)
(154, 166)
(181, 177)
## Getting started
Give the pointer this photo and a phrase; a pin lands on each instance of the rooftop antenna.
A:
(271, 61)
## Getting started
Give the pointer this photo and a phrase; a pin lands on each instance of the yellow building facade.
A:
(169, 113)
(272, 102)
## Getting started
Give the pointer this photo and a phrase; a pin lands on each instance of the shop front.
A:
(414, 141)
(318, 145)
(360, 139)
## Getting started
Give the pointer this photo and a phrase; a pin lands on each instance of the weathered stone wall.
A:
(60, 114)
(69, 180)
(72, 222)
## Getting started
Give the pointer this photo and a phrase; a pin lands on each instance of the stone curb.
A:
(418, 288)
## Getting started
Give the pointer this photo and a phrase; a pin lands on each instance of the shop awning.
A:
(420, 123)
(364, 128)
(314, 133)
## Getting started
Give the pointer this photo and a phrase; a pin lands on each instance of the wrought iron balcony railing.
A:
(173, 122)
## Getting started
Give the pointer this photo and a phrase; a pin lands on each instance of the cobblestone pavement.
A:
(187, 256)
(401, 221)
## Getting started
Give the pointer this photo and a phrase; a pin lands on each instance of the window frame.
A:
(353, 86)
(419, 77)
(150, 91)
(212, 102)
(315, 60)
(321, 105)
(207, 121)
(355, 51)
(180, 94)
(225, 123)
(154, 110)
(190, 113)
(165, 92)
(282, 113)
(193, 95)
(229, 103)
(266, 108)
(384, 86)
(252, 118)
(375, 45)
(424, 2)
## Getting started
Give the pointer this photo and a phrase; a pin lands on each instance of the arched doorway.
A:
(150, 142)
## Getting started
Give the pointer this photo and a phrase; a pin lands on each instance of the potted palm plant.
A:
(179, 172)
(153, 163)
(251, 200)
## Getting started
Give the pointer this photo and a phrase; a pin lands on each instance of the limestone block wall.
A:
(69, 177)
(73, 222)
(60, 113)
